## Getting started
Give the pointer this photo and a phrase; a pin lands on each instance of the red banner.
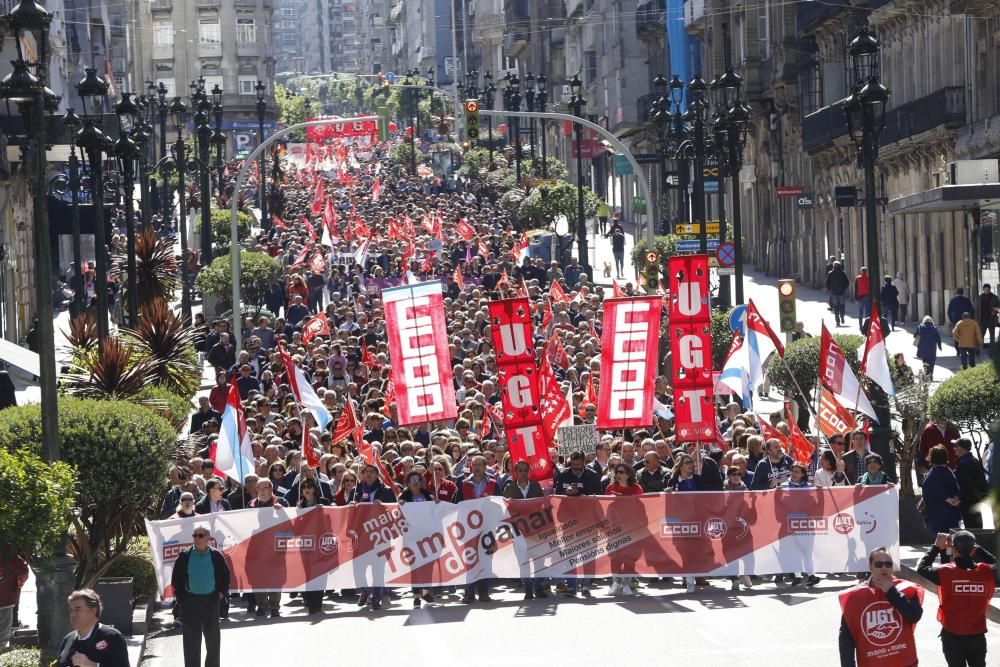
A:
(691, 342)
(629, 346)
(510, 324)
(364, 128)
(418, 348)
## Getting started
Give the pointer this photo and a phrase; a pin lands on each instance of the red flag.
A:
(395, 230)
(590, 398)
(496, 414)
(318, 263)
(837, 376)
(301, 258)
(390, 398)
(520, 249)
(377, 189)
(557, 353)
(309, 228)
(555, 409)
(834, 418)
(308, 450)
(368, 453)
(349, 425)
(504, 279)
(464, 229)
(768, 432)
(801, 448)
(319, 197)
(367, 358)
(557, 293)
(484, 425)
(616, 291)
(593, 333)
(317, 325)
(758, 324)
(483, 249)
(428, 223)
(330, 218)
(278, 222)
(458, 278)
(211, 455)
(547, 316)
(720, 440)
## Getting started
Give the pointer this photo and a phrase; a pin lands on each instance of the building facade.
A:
(298, 29)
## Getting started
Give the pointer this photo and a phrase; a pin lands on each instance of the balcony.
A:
(247, 49)
(651, 18)
(517, 10)
(396, 11)
(162, 5)
(822, 127)
(163, 52)
(942, 107)
(488, 28)
(208, 4)
(694, 14)
(209, 49)
(810, 14)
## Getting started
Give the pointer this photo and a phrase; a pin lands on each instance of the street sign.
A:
(788, 190)
(590, 149)
(648, 158)
(695, 228)
(727, 270)
(672, 179)
(726, 254)
(695, 246)
(846, 196)
(805, 200)
(711, 187)
(622, 166)
(737, 318)
(639, 204)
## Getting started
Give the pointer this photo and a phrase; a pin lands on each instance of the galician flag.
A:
(837, 376)
(736, 372)
(874, 363)
(233, 452)
(304, 393)
(760, 342)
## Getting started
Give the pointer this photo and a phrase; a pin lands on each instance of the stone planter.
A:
(116, 602)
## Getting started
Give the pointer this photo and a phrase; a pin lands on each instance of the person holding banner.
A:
(522, 487)
(774, 468)
(372, 490)
(478, 484)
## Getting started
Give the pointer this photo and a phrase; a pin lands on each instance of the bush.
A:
(722, 337)
(543, 204)
(121, 452)
(666, 246)
(38, 502)
(175, 408)
(475, 163)
(257, 271)
(222, 230)
(970, 399)
(168, 341)
(402, 154)
(137, 565)
(502, 179)
(802, 358)
(21, 657)
(511, 201)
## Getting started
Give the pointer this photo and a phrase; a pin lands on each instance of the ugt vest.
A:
(882, 636)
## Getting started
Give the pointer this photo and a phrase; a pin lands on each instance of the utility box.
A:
(971, 172)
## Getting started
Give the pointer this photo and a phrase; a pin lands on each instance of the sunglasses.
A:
(348, 481)
(882, 563)
(199, 536)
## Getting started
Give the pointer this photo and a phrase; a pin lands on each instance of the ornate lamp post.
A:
(72, 122)
(737, 119)
(265, 219)
(529, 98)
(95, 143)
(489, 95)
(218, 138)
(127, 156)
(203, 130)
(142, 134)
(577, 103)
(541, 98)
(178, 116)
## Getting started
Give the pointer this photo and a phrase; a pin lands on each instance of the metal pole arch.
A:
(234, 244)
(612, 139)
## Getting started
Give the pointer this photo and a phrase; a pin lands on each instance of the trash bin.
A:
(116, 602)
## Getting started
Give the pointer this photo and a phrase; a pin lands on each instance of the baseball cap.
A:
(964, 443)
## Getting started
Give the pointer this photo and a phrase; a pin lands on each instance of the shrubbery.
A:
(21, 657)
(970, 399)
(38, 502)
(257, 271)
(802, 362)
(222, 228)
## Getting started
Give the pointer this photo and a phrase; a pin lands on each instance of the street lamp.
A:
(93, 89)
(203, 130)
(163, 111)
(865, 111)
(514, 99)
(178, 116)
(142, 135)
(529, 98)
(577, 102)
(265, 219)
(127, 156)
(489, 95)
(218, 138)
(737, 120)
(541, 97)
(72, 122)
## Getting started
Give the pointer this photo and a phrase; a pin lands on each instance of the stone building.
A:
(298, 28)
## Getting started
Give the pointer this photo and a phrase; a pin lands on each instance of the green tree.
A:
(801, 362)
(121, 452)
(222, 229)
(722, 337)
(543, 204)
(970, 399)
(257, 271)
(666, 246)
(38, 503)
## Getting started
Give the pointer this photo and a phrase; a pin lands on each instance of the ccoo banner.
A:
(629, 345)
(691, 342)
(361, 128)
(418, 347)
(520, 389)
(443, 544)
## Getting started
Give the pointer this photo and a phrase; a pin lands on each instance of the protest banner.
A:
(710, 534)
(629, 346)
(582, 437)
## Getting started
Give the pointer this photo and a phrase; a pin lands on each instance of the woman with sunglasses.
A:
(438, 479)
(521, 487)
(348, 482)
(416, 493)
(624, 483)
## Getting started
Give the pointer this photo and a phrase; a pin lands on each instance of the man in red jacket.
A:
(13, 574)
(879, 616)
(965, 587)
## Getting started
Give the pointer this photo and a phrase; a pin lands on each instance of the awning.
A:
(21, 357)
(948, 198)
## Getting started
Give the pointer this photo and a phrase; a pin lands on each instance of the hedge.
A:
(38, 503)
(802, 357)
(970, 399)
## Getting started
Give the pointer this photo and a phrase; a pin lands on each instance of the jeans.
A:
(375, 593)
(6, 622)
(481, 587)
(967, 355)
(864, 308)
(619, 263)
(200, 618)
(270, 600)
(962, 650)
(891, 314)
(839, 303)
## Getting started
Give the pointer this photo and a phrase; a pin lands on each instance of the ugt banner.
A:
(691, 343)
(520, 389)
(362, 128)
(442, 544)
(418, 348)
(629, 346)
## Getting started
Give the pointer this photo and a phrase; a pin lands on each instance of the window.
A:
(211, 82)
(209, 31)
(763, 32)
(810, 84)
(247, 85)
(246, 31)
(287, 38)
(288, 11)
(163, 33)
(170, 85)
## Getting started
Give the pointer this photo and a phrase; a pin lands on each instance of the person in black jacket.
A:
(972, 485)
(371, 490)
(773, 469)
(203, 414)
(213, 500)
(837, 284)
(574, 481)
(90, 643)
(200, 580)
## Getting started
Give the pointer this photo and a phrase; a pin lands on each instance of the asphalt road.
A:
(765, 626)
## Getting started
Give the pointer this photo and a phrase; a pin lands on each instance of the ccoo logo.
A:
(673, 529)
(966, 587)
(290, 542)
(807, 524)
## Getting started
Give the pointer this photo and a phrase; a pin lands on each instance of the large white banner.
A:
(433, 544)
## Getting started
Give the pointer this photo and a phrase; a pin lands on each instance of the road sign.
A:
(846, 196)
(622, 166)
(695, 246)
(711, 187)
(639, 204)
(805, 200)
(726, 254)
(737, 318)
(727, 270)
(648, 158)
(390, 77)
(672, 179)
(788, 190)
(695, 228)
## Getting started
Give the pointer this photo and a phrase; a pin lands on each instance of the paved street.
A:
(662, 626)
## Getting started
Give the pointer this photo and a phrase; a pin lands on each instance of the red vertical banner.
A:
(690, 319)
(418, 348)
(520, 390)
(629, 346)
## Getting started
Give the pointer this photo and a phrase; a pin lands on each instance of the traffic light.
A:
(786, 304)
(472, 120)
(651, 273)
